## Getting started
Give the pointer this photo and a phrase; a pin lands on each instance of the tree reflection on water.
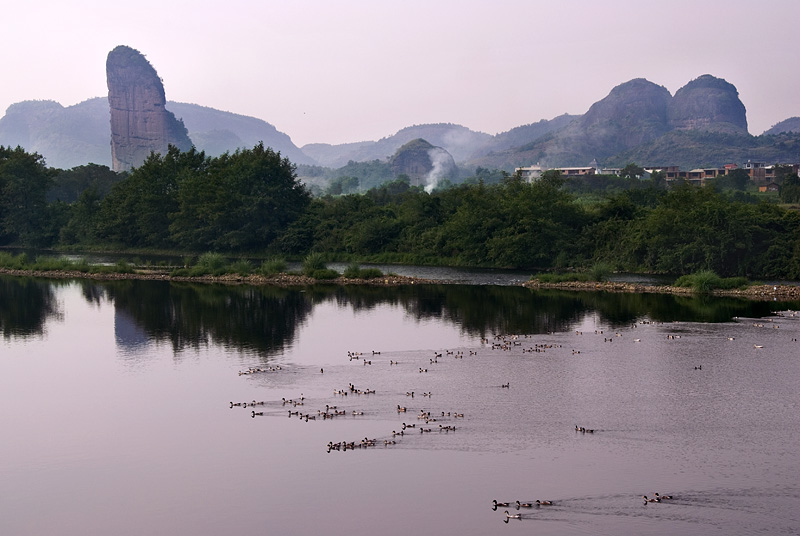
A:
(265, 319)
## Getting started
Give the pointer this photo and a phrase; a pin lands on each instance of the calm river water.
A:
(119, 415)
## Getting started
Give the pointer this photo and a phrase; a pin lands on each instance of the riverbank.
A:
(753, 292)
(280, 280)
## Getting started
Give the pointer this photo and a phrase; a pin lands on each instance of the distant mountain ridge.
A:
(703, 124)
(640, 121)
(66, 137)
(461, 142)
(80, 134)
(787, 125)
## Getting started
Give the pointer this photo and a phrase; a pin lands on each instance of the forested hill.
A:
(251, 203)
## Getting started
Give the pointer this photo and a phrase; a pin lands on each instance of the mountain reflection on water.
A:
(264, 320)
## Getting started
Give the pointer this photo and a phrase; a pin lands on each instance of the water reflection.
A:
(265, 320)
(259, 319)
(25, 306)
(160, 449)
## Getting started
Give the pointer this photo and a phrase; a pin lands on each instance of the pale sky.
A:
(341, 71)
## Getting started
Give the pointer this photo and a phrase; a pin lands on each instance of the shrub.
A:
(81, 265)
(51, 264)
(123, 267)
(370, 273)
(729, 283)
(705, 281)
(312, 263)
(600, 271)
(272, 266)
(209, 264)
(13, 262)
(355, 272)
(561, 278)
(241, 267)
(323, 273)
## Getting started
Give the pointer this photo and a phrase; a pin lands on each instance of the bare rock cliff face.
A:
(140, 124)
(708, 103)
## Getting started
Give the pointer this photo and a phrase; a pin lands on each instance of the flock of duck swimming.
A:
(538, 503)
(427, 421)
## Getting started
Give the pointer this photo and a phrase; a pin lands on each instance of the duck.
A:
(524, 505)
(543, 503)
(512, 516)
(662, 497)
(257, 413)
(653, 500)
(496, 504)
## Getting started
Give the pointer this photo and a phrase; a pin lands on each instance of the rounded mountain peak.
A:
(707, 103)
(425, 164)
(637, 100)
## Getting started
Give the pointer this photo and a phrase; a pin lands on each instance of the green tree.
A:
(24, 182)
(68, 185)
(137, 211)
(632, 171)
(790, 189)
(659, 179)
(736, 179)
(242, 201)
(343, 185)
(81, 227)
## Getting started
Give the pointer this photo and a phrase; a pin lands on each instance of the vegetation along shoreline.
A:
(753, 292)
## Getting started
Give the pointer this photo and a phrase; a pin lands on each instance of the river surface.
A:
(119, 411)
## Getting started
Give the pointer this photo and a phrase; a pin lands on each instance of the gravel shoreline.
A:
(755, 292)
(280, 280)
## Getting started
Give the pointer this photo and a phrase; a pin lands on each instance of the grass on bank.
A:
(208, 264)
(354, 271)
(705, 281)
(599, 272)
(60, 264)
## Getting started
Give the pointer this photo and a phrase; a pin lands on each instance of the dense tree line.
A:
(251, 202)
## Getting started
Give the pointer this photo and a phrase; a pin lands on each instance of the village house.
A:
(761, 174)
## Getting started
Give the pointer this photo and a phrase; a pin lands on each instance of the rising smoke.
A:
(442, 165)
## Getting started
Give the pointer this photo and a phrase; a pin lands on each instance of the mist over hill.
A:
(461, 142)
(66, 137)
(80, 134)
(703, 124)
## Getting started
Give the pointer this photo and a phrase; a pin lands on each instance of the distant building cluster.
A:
(760, 173)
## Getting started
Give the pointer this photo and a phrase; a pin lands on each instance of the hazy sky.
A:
(339, 71)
